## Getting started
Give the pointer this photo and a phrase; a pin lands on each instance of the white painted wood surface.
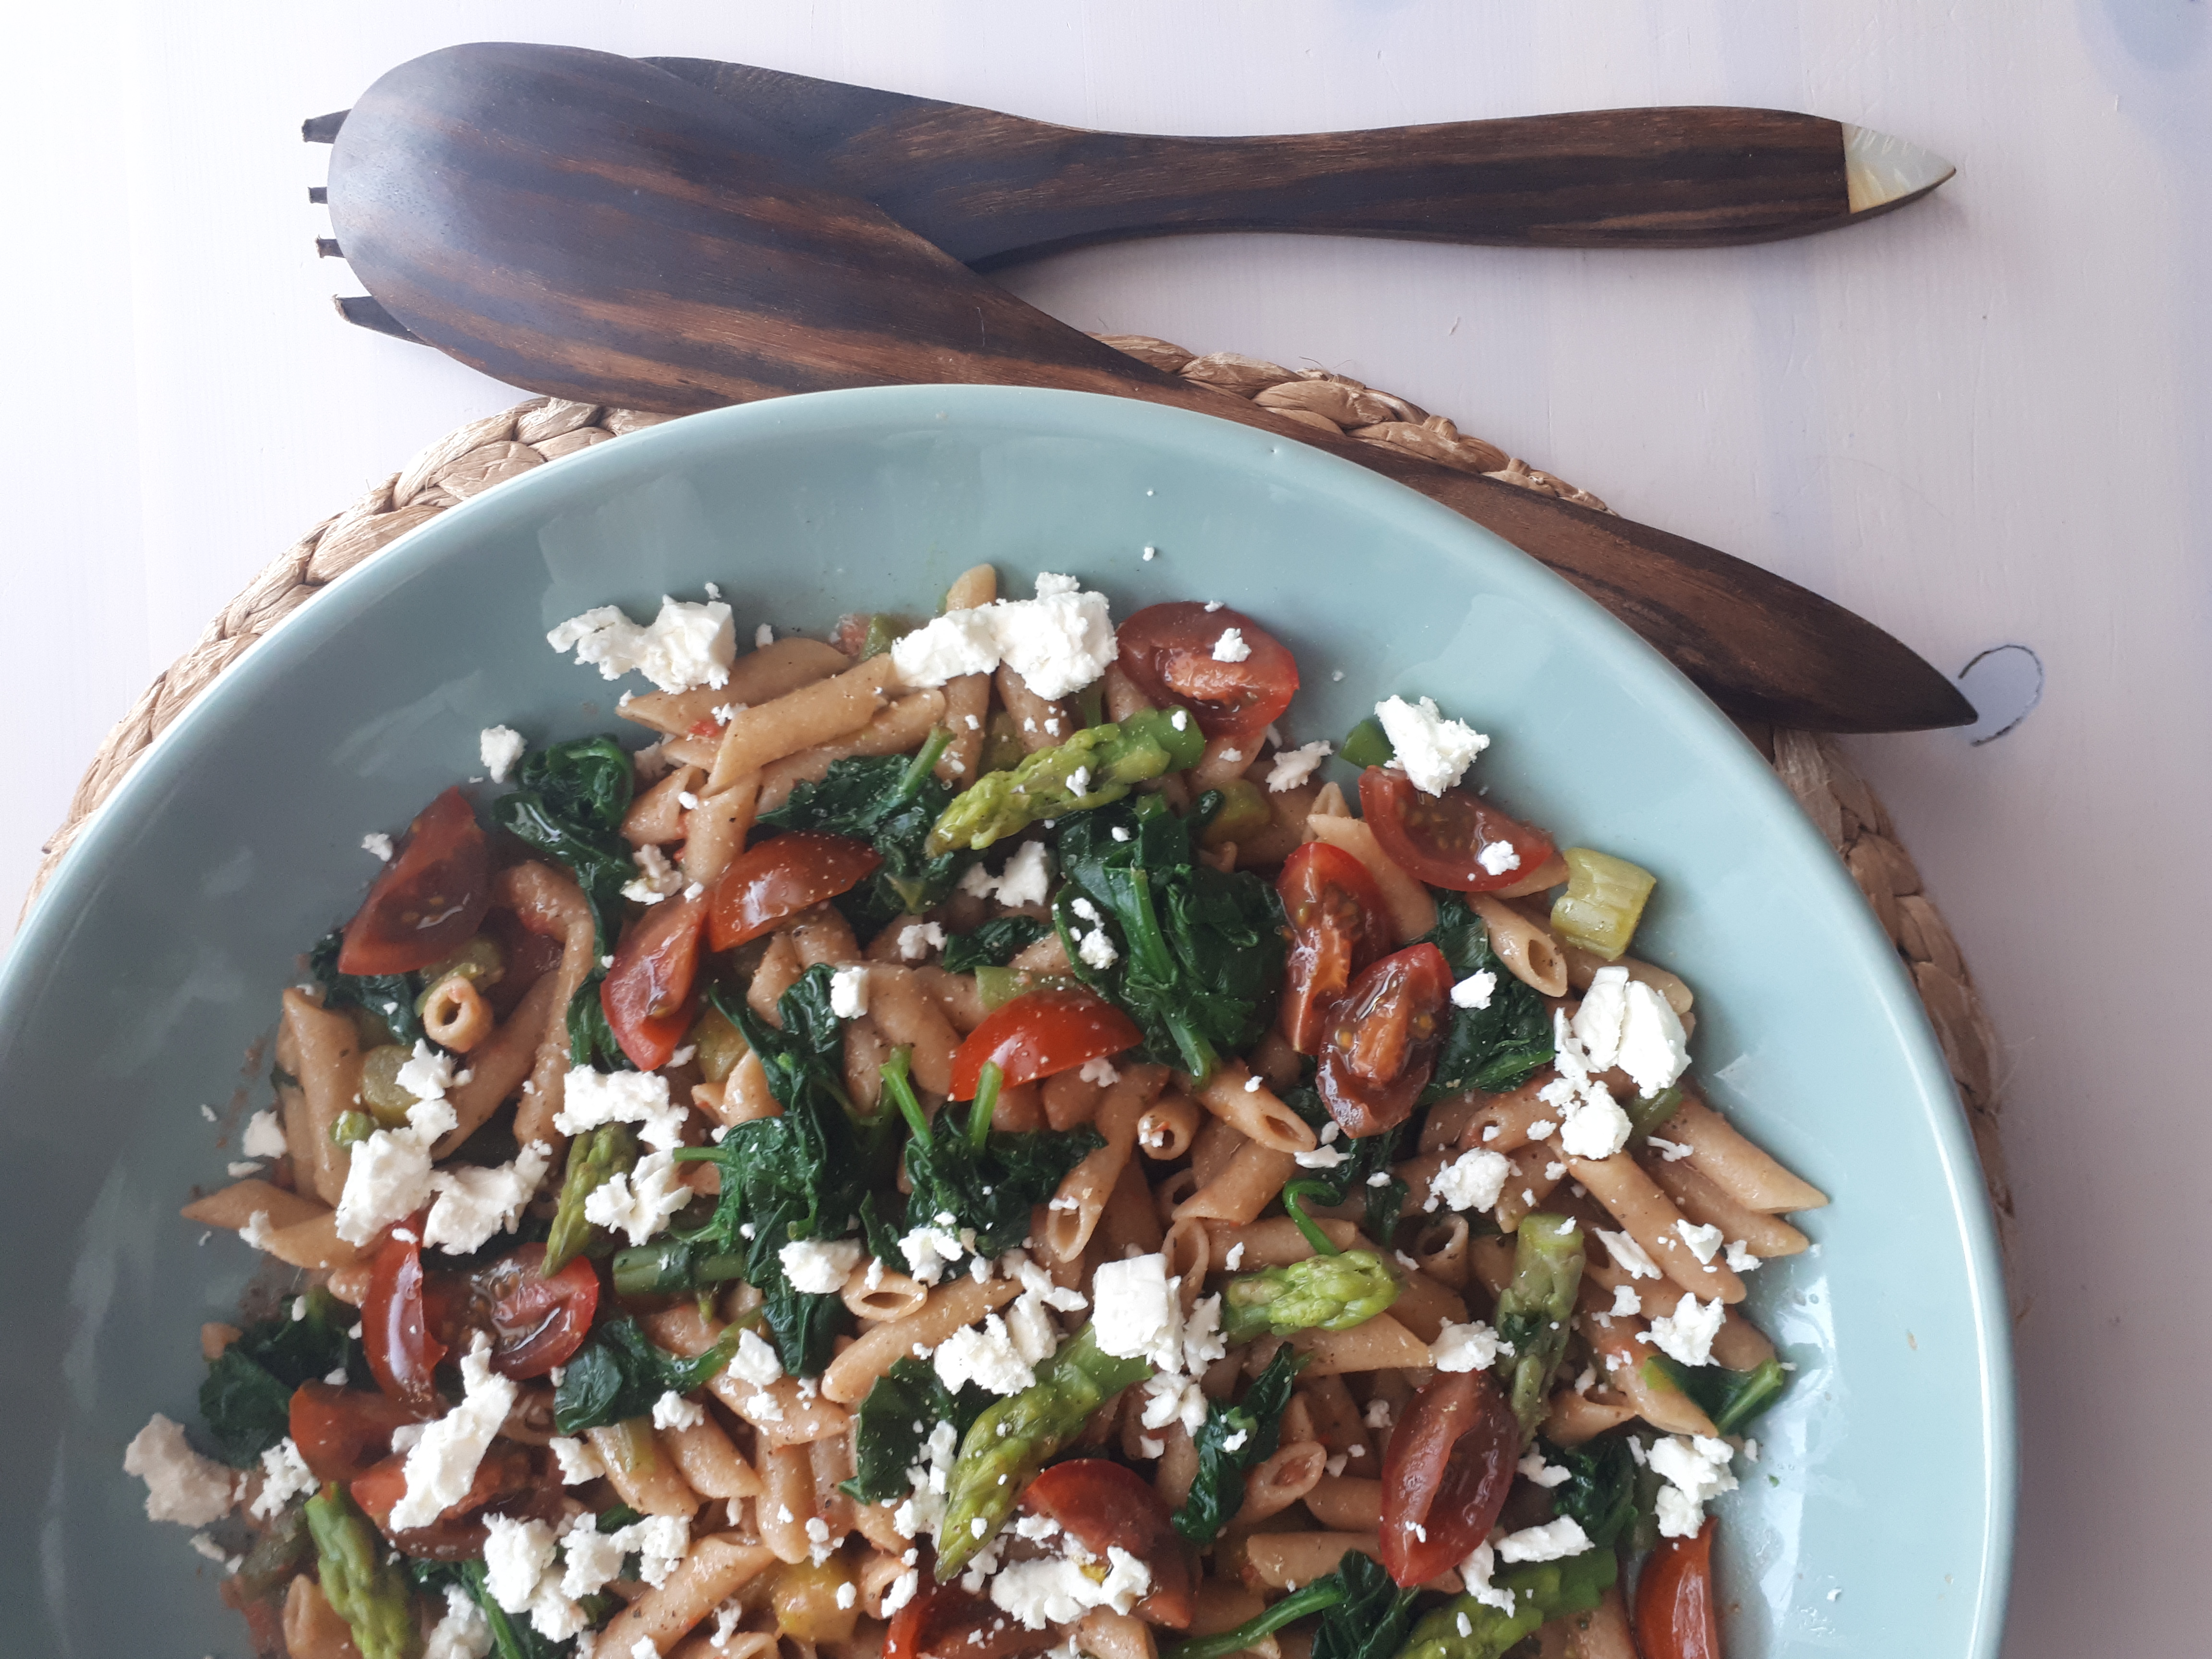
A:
(1984, 420)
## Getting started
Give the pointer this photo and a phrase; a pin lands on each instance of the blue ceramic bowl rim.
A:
(825, 414)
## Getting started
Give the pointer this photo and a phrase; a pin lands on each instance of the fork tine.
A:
(318, 194)
(326, 247)
(322, 129)
(363, 312)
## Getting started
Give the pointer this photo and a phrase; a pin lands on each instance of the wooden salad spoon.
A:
(591, 227)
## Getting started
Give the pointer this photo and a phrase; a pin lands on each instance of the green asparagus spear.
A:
(1332, 1292)
(1091, 769)
(1464, 1628)
(369, 1594)
(595, 1157)
(1009, 1443)
(1534, 1308)
(668, 1266)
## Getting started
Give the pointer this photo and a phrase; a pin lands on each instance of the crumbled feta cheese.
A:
(474, 1203)
(1028, 879)
(387, 1177)
(1627, 1254)
(1497, 858)
(1626, 1300)
(929, 1251)
(1740, 1258)
(1705, 1243)
(1687, 1334)
(1472, 1181)
(1232, 646)
(639, 1204)
(1475, 990)
(516, 1554)
(1672, 1151)
(264, 1136)
(443, 1462)
(1553, 1541)
(1292, 767)
(1135, 1312)
(1474, 1572)
(1321, 1157)
(1097, 951)
(1078, 781)
(1435, 752)
(379, 846)
(181, 1485)
(763, 637)
(1099, 1071)
(986, 1356)
(849, 992)
(1235, 1259)
(684, 646)
(657, 878)
(462, 1633)
(673, 1411)
(579, 1462)
(903, 1591)
(1624, 1022)
(1546, 1475)
(1058, 642)
(1473, 1346)
(819, 1266)
(764, 1407)
(590, 1098)
(1696, 1470)
(284, 1476)
(1592, 1124)
(499, 747)
(1058, 1590)
(918, 939)
(755, 1361)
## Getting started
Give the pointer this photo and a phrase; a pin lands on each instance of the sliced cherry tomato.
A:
(1445, 1476)
(780, 878)
(1102, 1505)
(948, 1623)
(397, 1324)
(507, 1474)
(1440, 838)
(1337, 925)
(648, 995)
(1040, 1033)
(536, 1323)
(431, 896)
(341, 1432)
(1168, 651)
(1379, 1040)
(1674, 1614)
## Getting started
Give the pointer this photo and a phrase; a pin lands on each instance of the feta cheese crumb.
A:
(1627, 1254)
(1231, 646)
(1497, 858)
(684, 646)
(819, 1268)
(264, 1136)
(1099, 1071)
(1546, 1475)
(578, 1460)
(918, 939)
(443, 1462)
(1292, 767)
(590, 1098)
(1553, 1541)
(1027, 877)
(763, 637)
(988, 1355)
(380, 845)
(499, 747)
(639, 1204)
(849, 992)
(1473, 1346)
(1135, 1312)
(1435, 752)
(1705, 1243)
(673, 1411)
(1097, 951)
(1475, 990)
(284, 1476)
(1740, 1258)
(1696, 1470)
(1058, 643)
(755, 1361)
(1625, 1301)
(1687, 1334)
(181, 1485)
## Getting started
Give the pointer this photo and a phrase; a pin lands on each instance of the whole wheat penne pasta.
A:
(1425, 1307)
(328, 1053)
(1280, 1560)
(1572, 1418)
(716, 1568)
(745, 1094)
(1275, 1243)
(1222, 1604)
(499, 1064)
(683, 751)
(766, 732)
(1128, 1220)
(967, 699)
(878, 1571)
(1490, 1263)
(1501, 1123)
(656, 817)
(1732, 1163)
(778, 970)
(1225, 760)
(1552, 872)
(1255, 1176)
(1298, 1423)
(1275, 841)
(1583, 966)
(313, 1628)
(235, 1206)
(1647, 1215)
(1413, 912)
(1236, 1095)
(893, 730)
(1378, 1345)
(1621, 1343)
(1740, 1346)
(1071, 1100)
(832, 1462)
(313, 1244)
(910, 1018)
(1081, 1199)
(648, 1481)
(1168, 1193)
(548, 902)
(1214, 1148)
(1603, 1632)
(759, 676)
(742, 1645)
(455, 1015)
(1274, 1059)
(1105, 1634)
(823, 935)
(1525, 948)
(1337, 1422)
(892, 1295)
(1038, 721)
(779, 1413)
(1345, 1503)
(878, 1524)
(1537, 1169)
(1169, 1126)
(708, 1461)
(1441, 1249)
(955, 996)
(962, 1301)
(787, 1502)
(1282, 1480)
(1018, 1109)
(1189, 1256)
(714, 831)
(1044, 955)
(1176, 1471)
(866, 1051)
(1762, 1234)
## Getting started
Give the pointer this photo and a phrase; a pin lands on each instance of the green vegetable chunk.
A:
(1493, 1048)
(1534, 1308)
(1198, 953)
(1363, 1616)
(1599, 1493)
(619, 1373)
(369, 1593)
(897, 1417)
(246, 1400)
(1004, 1448)
(1367, 744)
(387, 997)
(888, 801)
(1603, 902)
(668, 1266)
(1255, 1423)
(1542, 1591)
(1092, 769)
(595, 1157)
(1324, 1293)
(993, 945)
(1731, 1399)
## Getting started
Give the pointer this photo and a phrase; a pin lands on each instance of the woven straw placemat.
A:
(485, 454)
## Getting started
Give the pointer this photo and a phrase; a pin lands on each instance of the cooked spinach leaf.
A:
(1363, 1616)
(993, 945)
(1364, 1159)
(591, 1041)
(890, 801)
(905, 1403)
(1493, 1048)
(1731, 1399)
(1198, 953)
(513, 1635)
(1254, 1425)
(569, 805)
(390, 997)
(246, 1399)
(618, 1373)
(1600, 1492)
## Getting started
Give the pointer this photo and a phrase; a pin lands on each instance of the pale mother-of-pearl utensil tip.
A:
(1881, 171)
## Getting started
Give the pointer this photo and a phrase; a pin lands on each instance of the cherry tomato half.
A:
(1102, 1505)
(1445, 1476)
(536, 1323)
(396, 1322)
(342, 1433)
(1440, 838)
(948, 1623)
(1337, 925)
(1674, 1614)
(1040, 1033)
(648, 995)
(1379, 1041)
(1168, 651)
(431, 896)
(780, 878)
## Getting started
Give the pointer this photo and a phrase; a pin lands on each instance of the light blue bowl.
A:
(1878, 1517)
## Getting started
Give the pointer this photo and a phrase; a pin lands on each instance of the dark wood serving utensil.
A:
(594, 228)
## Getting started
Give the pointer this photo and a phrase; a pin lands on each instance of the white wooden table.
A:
(1985, 420)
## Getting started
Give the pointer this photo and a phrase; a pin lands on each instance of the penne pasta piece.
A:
(950, 1306)
(548, 902)
(1525, 948)
(1344, 1502)
(814, 713)
(955, 996)
(499, 1064)
(1081, 1199)
(714, 831)
(967, 699)
(1511, 1115)
(1252, 1181)
(866, 1051)
(1572, 1418)
(313, 1244)
(1046, 956)
(1634, 1200)
(1552, 872)
(1537, 1169)
(1764, 1234)
(1222, 1604)
(1441, 1249)
(894, 729)
(1225, 760)
(716, 1568)
(235, 1206)
(1380, 1344)
(1071, 1100)
(1128, 1222)
(1732, 1163)
(892, 1295)
(1237, 1096)
(779, 1413)
(1413, 912)
(1038, 722)
(1214, 1148)
(910, 1018)
(1425, 1307)
(1281, 1559)
(1168, 1127)
(656, 817)
(1275, 841)
(1169, 1192)
(708, 1461)
(1275, 1058)
(823, 935)
(1740, 1346)
(759, 676)
(1583, 966)
(1275, 1243)
(1620, 1344)
(1177, 1468)
(778, 970)
(1281, 1481)
(787, 1502)
(313, 1628)
(1105, 1634)
(648, 1482)
(1490, 1263)
(327, 1051)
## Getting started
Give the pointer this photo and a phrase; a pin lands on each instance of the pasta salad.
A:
(970, 1142)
